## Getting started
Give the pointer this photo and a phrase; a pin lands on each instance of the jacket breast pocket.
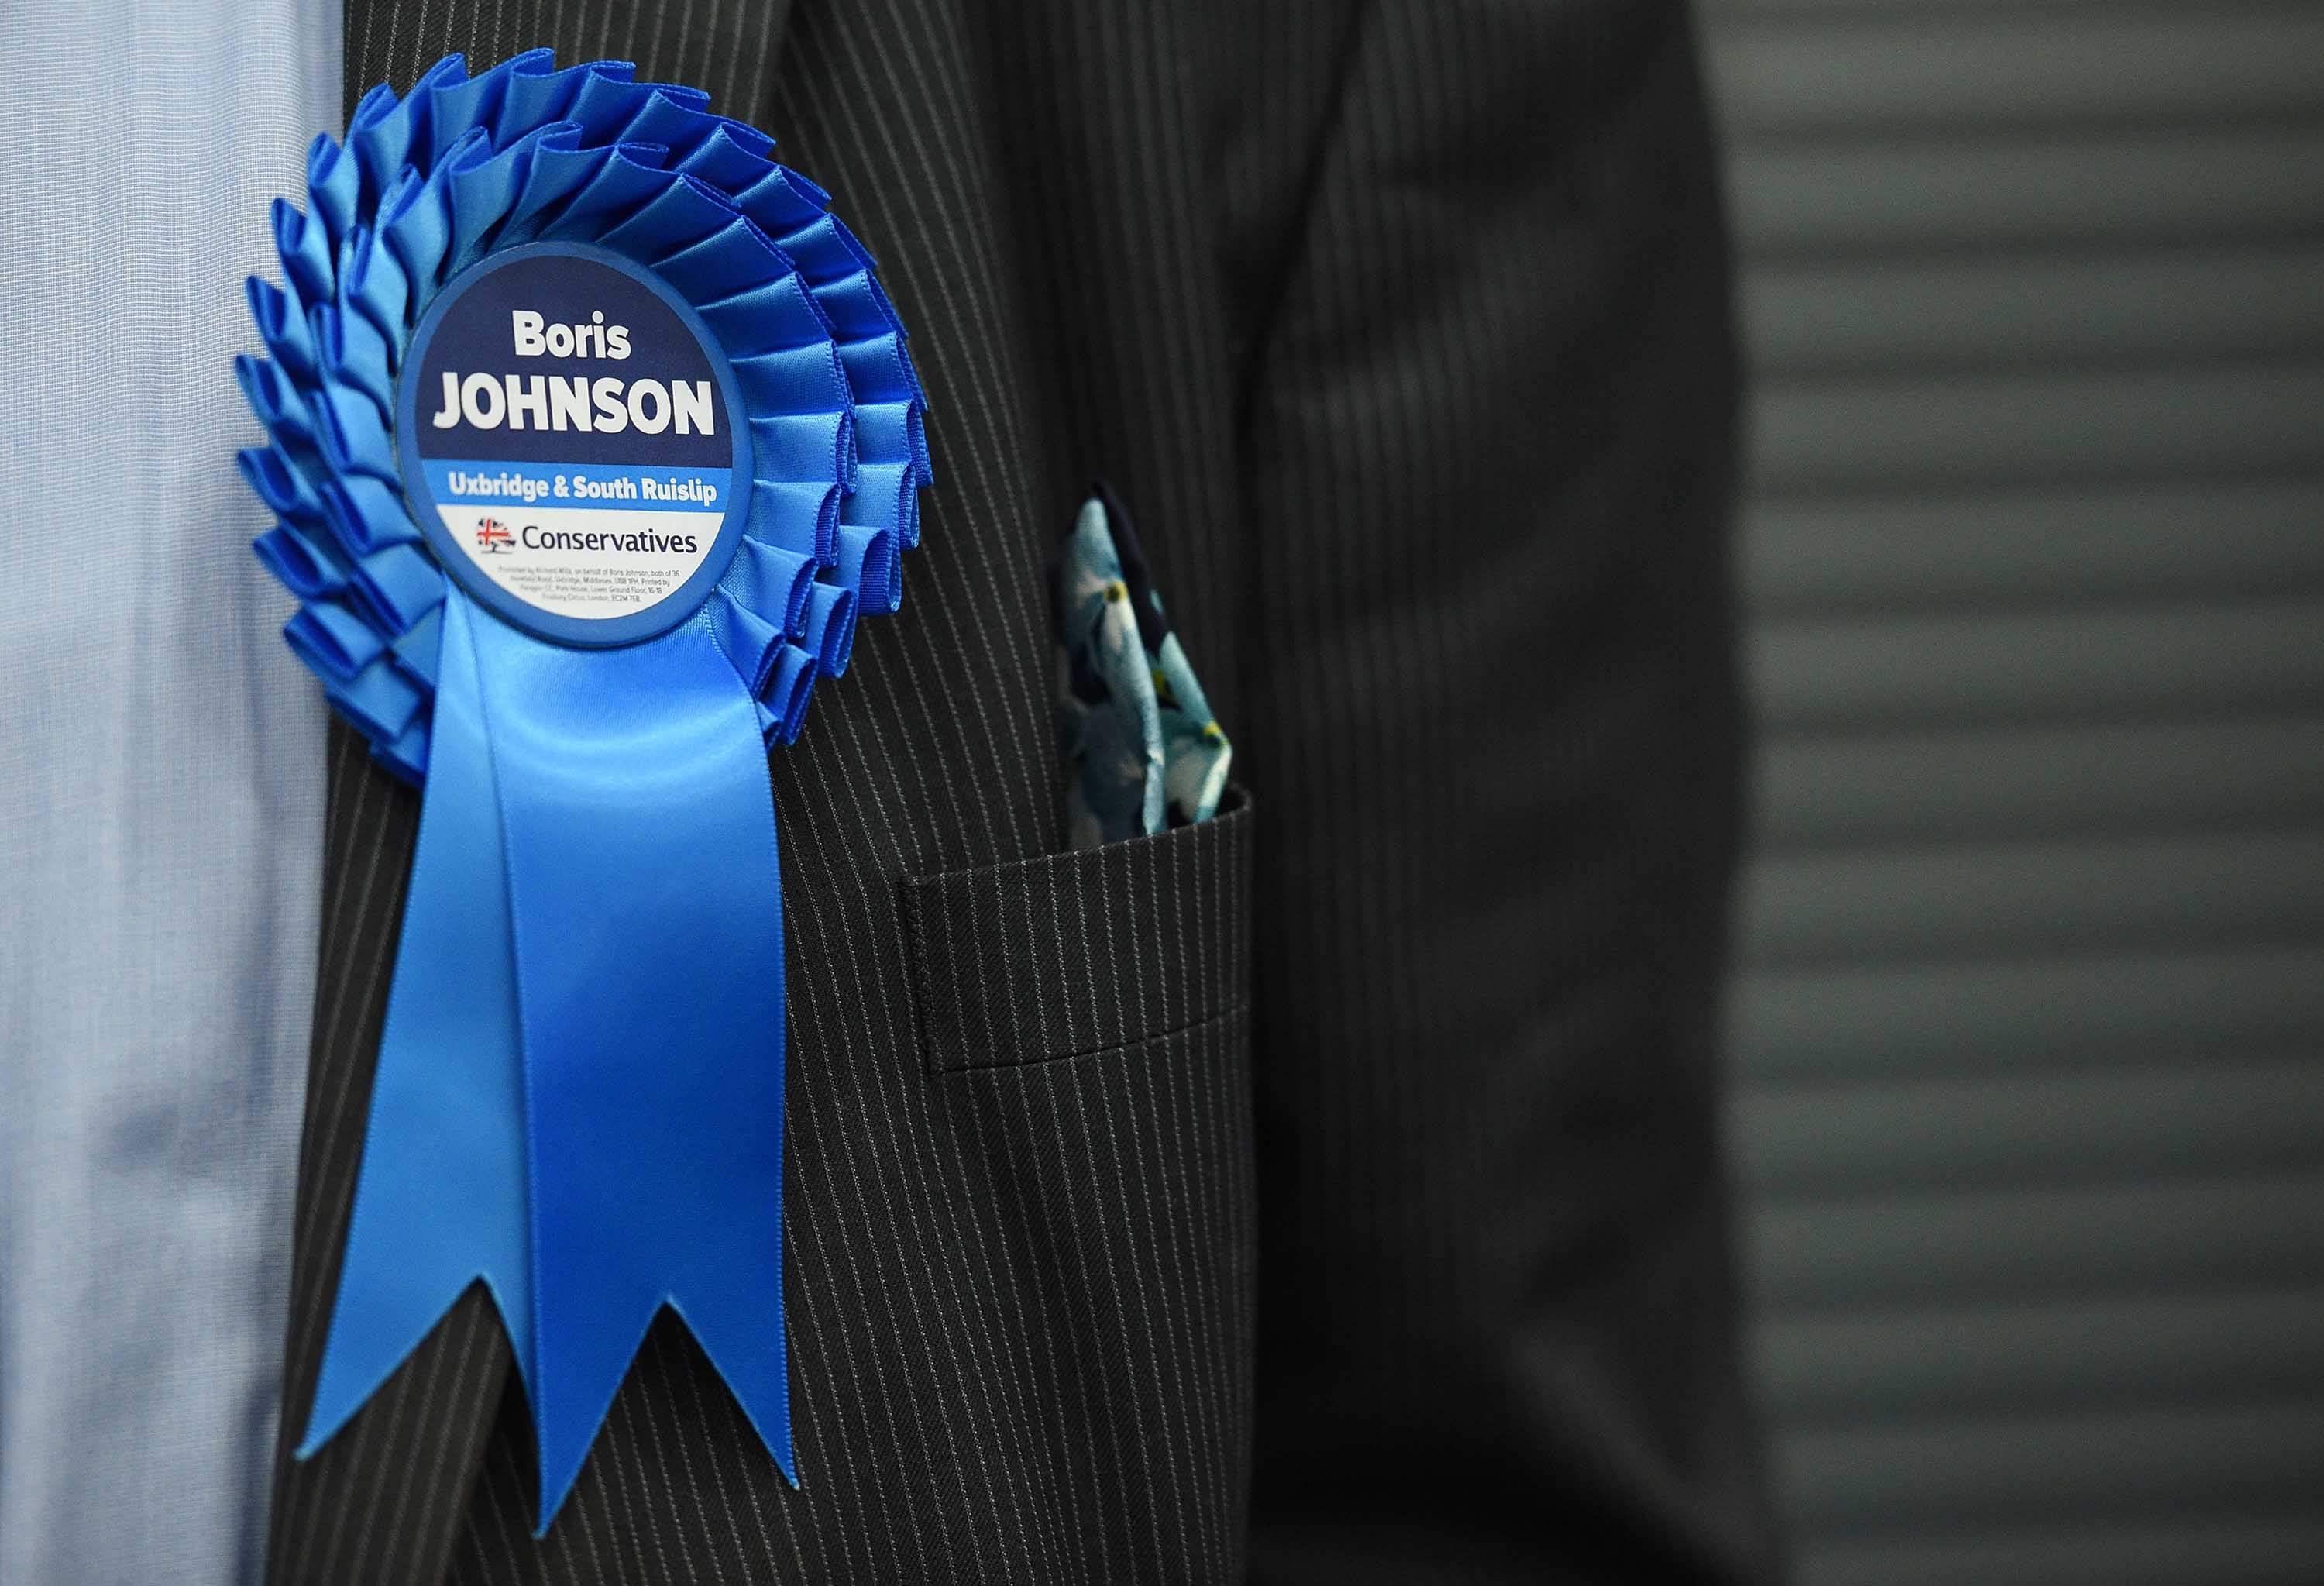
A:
(1085, 951)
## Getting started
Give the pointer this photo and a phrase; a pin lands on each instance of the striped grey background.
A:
(2031, 1113)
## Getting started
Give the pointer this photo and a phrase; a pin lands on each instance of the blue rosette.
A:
(578, 1095)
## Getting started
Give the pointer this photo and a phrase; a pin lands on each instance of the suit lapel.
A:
(384, 1501)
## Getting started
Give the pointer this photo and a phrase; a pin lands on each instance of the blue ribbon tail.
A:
(440, 1195)
(580, 1085)
(638, 820)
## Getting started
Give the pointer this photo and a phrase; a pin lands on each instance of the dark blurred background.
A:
(2029, 1036)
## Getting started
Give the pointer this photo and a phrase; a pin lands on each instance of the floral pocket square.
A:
(1142, 751)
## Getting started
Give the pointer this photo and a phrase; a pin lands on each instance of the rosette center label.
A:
(571, 444)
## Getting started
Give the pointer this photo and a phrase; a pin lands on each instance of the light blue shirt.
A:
(160, 788)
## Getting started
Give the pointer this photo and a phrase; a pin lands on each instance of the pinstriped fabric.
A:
(718, 45)
(994, 958)
(1492, 455)
(1438, 505)
(1438, 398)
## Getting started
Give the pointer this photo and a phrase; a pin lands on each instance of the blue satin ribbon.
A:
(441, 1198)
(588, 1005)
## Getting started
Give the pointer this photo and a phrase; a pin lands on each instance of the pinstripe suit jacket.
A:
(1330, 1199)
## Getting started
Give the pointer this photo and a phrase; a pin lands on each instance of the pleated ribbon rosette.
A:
(578, 1096)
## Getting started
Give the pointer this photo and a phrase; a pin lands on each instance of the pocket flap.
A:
(1083, 952)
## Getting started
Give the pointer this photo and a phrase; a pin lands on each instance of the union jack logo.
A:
(493, 536)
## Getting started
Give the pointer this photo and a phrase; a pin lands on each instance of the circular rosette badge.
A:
(590, 436)
(594, 259)
(569, 432)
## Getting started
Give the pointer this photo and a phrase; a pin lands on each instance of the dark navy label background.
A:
(477, 336)
(647, 524)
